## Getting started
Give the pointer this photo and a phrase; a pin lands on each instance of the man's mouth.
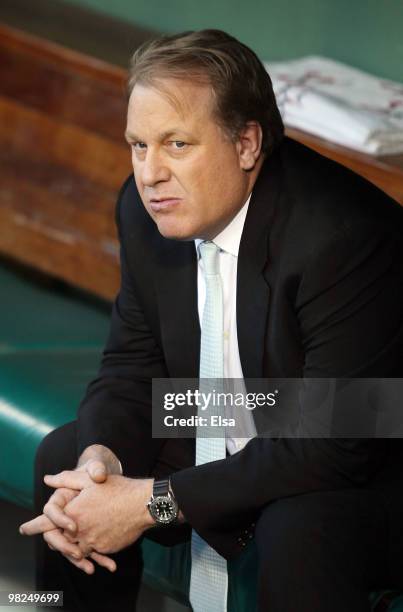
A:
(163, 204)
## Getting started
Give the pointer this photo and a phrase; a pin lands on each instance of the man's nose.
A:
(154, 170)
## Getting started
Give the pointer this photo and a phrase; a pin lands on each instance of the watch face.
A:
(163, 509)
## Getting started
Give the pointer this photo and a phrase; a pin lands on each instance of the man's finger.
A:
(70, 479)
(63, 496)
(105, 561)
(53, 517)
(82, 564)
(96, 470)
(40, 524)
(71, 537)
(55, 513)
(56, 539)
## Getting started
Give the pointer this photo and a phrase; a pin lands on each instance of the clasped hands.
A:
(93, 511)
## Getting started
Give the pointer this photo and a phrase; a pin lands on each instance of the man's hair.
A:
(240, 84)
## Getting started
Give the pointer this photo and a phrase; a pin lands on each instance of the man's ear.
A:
(249, 145)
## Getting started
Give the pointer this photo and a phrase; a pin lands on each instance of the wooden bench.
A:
(63, 158)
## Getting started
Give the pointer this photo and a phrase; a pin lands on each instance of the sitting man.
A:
(243, 255)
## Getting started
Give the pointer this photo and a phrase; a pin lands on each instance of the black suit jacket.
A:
(319, 294)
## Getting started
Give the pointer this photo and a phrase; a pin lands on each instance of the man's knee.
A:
(309, 531)
(57, 451)
(315, 552)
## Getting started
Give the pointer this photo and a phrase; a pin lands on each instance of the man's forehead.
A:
(184, 96)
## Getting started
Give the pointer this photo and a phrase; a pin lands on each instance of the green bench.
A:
(50, 345)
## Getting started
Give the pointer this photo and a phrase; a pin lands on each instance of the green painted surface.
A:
(50, 347)
(39, 391)
(366, 34)
(33, 316)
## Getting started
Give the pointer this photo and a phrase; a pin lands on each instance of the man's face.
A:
(190, 176)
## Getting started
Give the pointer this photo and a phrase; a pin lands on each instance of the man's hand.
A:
(57, 528)
(106, 517)
(63, 539)
(109, 516)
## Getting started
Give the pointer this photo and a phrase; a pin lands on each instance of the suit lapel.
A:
(253, 292)
(177, 302)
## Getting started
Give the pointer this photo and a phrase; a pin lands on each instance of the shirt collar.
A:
(229, 238)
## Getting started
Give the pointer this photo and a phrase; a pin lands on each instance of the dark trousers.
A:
(318, 552)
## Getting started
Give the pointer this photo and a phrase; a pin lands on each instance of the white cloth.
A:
(229, 240)
(342, 104)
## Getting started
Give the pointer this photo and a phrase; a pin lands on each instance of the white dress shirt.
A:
(228, 240)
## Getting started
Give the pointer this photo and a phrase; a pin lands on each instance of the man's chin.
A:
(173, 232)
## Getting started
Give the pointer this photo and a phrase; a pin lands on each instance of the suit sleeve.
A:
(115, 411)
(349, 308)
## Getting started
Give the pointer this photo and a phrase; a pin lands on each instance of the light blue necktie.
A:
(209, 578)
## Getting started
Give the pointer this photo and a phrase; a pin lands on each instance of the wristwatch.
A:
(163, 506)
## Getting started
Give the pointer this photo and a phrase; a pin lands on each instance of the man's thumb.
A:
(97, 470)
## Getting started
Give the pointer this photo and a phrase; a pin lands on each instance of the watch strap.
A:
(161, 487)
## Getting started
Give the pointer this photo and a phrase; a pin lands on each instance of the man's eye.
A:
(178, 144)
(139, 145)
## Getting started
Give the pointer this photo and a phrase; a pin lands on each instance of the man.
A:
(310, 267)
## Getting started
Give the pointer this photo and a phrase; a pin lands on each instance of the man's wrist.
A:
(148, 519)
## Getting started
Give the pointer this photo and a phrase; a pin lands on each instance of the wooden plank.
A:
(49, 203)
(46, 50)
(52, 251)
(49, 139)
(63, 159)
(92, 100)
